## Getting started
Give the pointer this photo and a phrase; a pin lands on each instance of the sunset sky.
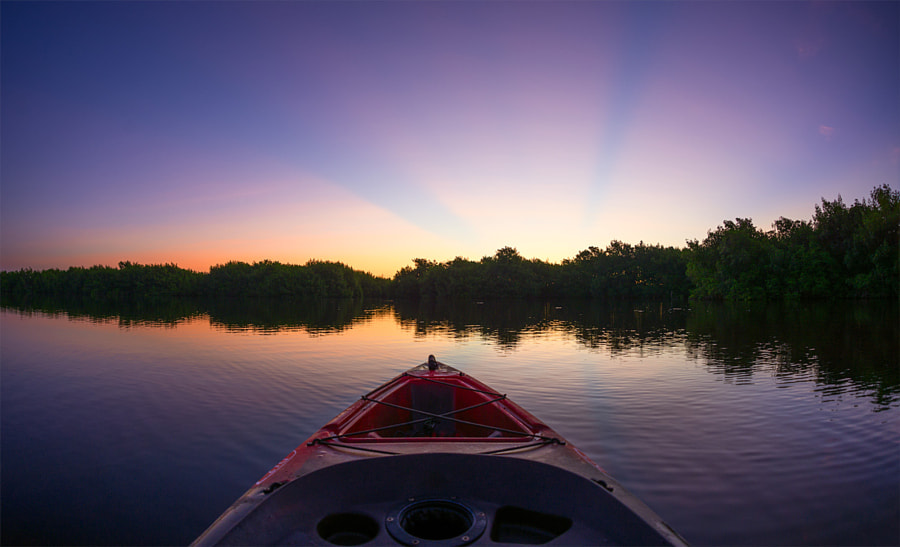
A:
(373, 133)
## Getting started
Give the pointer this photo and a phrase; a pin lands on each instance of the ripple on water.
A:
(731, 442)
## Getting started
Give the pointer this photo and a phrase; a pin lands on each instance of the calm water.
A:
(740, 425)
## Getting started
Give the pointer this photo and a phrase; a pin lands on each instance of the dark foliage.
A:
(621, 272)
(842, 252)
(104, 281)
(316, 279)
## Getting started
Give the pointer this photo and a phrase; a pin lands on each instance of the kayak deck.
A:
(449, 499)
(435, 457)
(428, 405)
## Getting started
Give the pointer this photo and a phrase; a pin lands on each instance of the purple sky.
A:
(377, 132)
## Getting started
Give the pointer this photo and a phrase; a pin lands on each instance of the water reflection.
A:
(501, 323)
(266, 316)
(618, 327)
(841, 345)
(627, 328)
(738, 423)
(127, 312)
(258, 315)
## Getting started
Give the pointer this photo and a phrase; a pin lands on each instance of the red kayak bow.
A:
(436, 457)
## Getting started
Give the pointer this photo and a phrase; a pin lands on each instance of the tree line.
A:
(842, 251)
(315, 279)
(620, 272)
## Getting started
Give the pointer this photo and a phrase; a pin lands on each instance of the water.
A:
(739, 424)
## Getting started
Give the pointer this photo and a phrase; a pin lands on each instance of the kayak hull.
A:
(435, 457)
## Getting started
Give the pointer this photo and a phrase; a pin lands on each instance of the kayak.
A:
(435, 457)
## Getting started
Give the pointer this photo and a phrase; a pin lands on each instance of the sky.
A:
(376, 132)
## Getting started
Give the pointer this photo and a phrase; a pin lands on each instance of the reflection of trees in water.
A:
(628, 328)
(619, 327)
(832, 342)
(502, 322)
(320, 316)
(234, 314)
(126, 312)
(843, 345)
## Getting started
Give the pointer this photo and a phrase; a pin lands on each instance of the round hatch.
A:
(435, 522)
